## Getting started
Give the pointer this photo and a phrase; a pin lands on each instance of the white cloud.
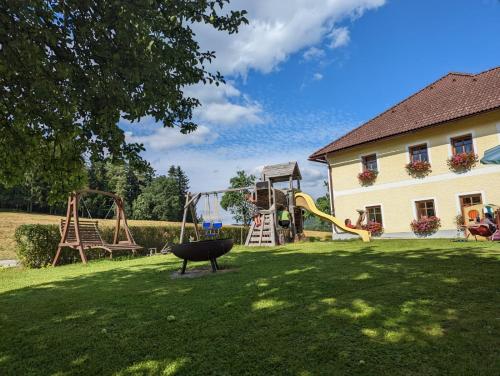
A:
(317, 76)
(225, 105)
(313, 53)
(171, 138)
(339, 37)
(278, 29)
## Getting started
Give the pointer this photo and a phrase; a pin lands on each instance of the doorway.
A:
(470, 200)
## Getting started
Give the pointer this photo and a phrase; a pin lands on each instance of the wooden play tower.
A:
(275, 191)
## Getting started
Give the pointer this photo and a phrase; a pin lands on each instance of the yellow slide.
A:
(306, 202)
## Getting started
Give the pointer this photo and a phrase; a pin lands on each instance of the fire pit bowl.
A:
(203, 250)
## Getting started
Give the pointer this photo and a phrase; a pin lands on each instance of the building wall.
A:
(395, 191)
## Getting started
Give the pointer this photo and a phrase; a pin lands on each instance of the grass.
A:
(420, 307)
(9, 221)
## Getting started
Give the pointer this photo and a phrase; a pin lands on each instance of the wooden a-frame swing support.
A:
(190, 206)
(83, 234)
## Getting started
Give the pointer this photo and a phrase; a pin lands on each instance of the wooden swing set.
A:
(83, 234)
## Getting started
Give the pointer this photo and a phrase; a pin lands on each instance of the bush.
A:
(425, 226)
(37, 244)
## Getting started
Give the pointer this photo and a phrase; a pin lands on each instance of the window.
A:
(419, 153)
(370, 162)
(462, 144)
(425, 208)
(374, 213)
(470, 200)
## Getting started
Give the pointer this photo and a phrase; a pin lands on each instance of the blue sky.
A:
(306, 71)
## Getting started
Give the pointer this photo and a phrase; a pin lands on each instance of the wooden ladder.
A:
(264, 235)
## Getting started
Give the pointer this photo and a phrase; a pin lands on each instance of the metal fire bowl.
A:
(203, 250)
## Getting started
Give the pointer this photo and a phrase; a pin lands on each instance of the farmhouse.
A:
(420, 157)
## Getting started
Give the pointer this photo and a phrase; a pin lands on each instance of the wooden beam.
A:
(184, 218)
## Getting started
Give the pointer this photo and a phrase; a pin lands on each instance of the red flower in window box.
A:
(375, 228)
(418, 169)
(367, 177)
(425, 226)
(462, 161)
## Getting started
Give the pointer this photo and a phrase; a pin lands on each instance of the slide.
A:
(306, 202)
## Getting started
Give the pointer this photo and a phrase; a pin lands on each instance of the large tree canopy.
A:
(69, 70)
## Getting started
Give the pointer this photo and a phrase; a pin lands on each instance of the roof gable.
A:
(281, 172)
(451, 97)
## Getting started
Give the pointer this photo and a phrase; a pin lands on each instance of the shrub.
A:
(462, 162)
(460, 222)
(375, 228)
(425, 226)
(418, 169)
(367, 177)
(37, 244)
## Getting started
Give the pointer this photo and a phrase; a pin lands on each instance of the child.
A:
(284, 218)
(253, 209)
(359, 222)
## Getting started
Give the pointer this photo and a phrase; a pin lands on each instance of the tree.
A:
(323, 204)
(235, 202)
(158, 201)
(70, 70)
(182, 182)
(124, 178)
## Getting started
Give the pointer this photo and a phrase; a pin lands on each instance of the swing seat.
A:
(90, 238)
(207, 225)
(217, 225)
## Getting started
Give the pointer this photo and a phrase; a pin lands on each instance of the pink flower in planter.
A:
(462, 161)
(367, 177)
(425, 226)
(418, 168)
(375, 228)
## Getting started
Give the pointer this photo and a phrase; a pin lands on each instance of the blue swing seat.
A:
(207, 225)
(217, 225)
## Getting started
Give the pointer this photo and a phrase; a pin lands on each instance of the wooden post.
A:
(77, 228)
(184, 218)
(64, 236)
(291, 208)
(116, 236)
(269, 198)
(195, 221)
(130, 238)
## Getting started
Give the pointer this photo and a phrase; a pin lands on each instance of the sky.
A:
(304, 72)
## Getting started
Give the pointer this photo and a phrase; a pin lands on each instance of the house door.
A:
(469, 200)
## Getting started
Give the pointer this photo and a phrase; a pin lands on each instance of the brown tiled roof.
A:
(451, 97)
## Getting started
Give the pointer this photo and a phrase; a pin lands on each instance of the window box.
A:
(418, 169)
(367, 177)
(425, 226)
(462, 162)
(374, 228)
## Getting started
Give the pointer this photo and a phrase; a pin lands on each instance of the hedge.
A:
(37, 244)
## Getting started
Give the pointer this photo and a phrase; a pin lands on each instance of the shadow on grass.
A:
(285, 311)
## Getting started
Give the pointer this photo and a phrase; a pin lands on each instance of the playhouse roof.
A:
(281, 172)
(453, 96)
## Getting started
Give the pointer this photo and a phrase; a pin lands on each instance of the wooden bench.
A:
(90, 238)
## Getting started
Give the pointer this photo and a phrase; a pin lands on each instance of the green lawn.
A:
(337, 308)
